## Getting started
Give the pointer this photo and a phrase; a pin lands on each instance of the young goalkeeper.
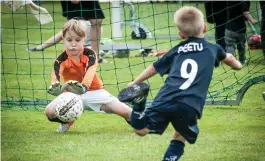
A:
(180, 101)
(77, 65)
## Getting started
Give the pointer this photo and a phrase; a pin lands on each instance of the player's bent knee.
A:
(142, 132)
(178, 137)
(49, 111)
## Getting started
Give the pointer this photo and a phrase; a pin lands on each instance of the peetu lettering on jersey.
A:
(189, 66)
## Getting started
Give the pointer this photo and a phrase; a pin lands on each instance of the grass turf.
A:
(227, 133)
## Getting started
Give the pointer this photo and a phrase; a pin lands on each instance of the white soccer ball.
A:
(68, 107)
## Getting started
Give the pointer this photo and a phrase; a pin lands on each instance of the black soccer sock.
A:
(138, 120)
(137, 116)
(56, 120)
(139, 107)
(174, 151)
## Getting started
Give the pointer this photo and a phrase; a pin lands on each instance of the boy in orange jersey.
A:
(77, 65)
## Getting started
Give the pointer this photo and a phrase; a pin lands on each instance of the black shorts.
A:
(180, 115)
(84, 9)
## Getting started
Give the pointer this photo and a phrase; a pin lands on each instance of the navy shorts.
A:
(182, 116)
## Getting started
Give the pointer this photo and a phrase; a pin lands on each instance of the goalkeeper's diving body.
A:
(77, 65)
(180, 101)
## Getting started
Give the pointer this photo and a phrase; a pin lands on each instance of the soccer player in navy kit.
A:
(180, 101)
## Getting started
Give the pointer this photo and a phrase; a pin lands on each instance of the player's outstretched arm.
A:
(231, 61)
(159, 52)
(147, 73)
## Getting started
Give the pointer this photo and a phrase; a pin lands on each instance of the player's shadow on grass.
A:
(236, 108)
(94, 132)
(71, 133)
(224, 108)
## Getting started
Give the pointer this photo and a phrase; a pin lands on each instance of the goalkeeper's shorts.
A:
(96, 98)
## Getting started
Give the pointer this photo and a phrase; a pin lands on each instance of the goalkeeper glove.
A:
(56, 89)
(75, 87)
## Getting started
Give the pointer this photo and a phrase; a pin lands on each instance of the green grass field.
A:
(227, 133)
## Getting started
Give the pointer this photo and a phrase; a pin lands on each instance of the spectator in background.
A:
(262, 28)
(216, 13)
(235, 33)
(48, 43)
(58, 37)
(40, 13)
(87, 10)
(262, 31)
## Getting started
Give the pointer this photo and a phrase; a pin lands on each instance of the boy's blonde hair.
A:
(78, 26)
(189, 21)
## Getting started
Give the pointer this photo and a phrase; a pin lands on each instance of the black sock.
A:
(138, 120)
(139, 107)
(56, 120)
(174, 151)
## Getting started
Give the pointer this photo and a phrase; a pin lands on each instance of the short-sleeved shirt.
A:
(236, 18)
(84, 71)
(84, 9)
(189, 66)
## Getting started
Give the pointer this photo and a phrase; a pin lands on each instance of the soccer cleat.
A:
(135, 94)
(64, 127)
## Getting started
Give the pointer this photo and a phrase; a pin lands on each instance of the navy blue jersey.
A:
(189, 66)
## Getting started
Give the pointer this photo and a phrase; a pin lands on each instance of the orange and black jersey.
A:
(84, 71)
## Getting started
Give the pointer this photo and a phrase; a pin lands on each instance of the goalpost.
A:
(25, 76)
(116, 20)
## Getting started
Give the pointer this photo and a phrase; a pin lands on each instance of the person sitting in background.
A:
(262, 28)
(48, 43)
(59, 36)
(86, 10)
(235, 33)
(40, 13)
(262, 31)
